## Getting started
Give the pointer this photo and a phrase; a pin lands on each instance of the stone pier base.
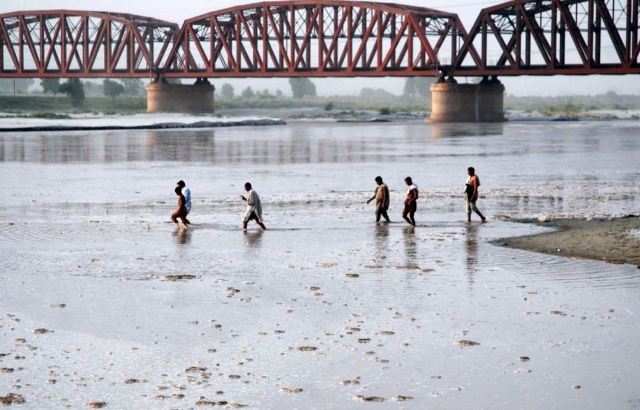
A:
(195, 99)
(452, 102)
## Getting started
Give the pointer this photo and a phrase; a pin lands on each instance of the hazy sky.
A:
(177, 11)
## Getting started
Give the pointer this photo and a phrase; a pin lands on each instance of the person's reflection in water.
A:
(182, 235)
(253, 239)
(381, 241)
(410, 250)
(471, 245)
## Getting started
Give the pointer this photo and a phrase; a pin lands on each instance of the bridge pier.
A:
(194, 99)
(453, 102)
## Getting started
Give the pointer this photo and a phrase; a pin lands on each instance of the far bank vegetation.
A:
(128, 96)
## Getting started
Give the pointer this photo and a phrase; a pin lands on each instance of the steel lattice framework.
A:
(315, 39)
(545, 37)
(327, 38)
(62, 43)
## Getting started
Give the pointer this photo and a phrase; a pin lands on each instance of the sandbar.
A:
(614, 240)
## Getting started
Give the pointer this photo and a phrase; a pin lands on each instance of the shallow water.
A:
(84, 222)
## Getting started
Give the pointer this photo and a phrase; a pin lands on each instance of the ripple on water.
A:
(575, 272)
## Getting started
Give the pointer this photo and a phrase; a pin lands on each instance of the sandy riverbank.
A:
(615, 240)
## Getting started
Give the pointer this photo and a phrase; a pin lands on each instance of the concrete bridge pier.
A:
(453, 102)
(185, 98)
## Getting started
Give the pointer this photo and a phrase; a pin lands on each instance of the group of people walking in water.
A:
(381, 196)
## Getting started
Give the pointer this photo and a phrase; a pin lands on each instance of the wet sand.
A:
(105, 304)
(614, 240)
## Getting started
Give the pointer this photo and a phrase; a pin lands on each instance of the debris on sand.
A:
(466, 343)
(194, 369)
(370, 398)
(134, 381)
(291, 390)
(175, 278)
(558, 312)
(10, 399)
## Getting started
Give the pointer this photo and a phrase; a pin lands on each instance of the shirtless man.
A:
(181, 211)
(187, 195)
(254, 207)
(382, 200)
(471, 194)
(410, 204)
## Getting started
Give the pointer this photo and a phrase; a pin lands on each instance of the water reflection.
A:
(465, 129)
(410, 248)
(253, 239)
(381, 240)
(182, 235)
(471, 246)
(265, 145)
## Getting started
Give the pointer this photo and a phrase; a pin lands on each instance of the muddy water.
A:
(325, 301)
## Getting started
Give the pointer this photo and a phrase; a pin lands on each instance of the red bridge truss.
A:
(327, 38)
(546, 37)
(315, 39)
(64, 43)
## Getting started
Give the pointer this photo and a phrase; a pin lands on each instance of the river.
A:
(326, 308)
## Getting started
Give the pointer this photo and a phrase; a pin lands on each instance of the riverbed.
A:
(104, 302)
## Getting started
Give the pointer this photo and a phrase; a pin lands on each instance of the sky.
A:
(178, 11)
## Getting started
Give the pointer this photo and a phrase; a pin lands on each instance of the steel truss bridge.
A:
(327, 38)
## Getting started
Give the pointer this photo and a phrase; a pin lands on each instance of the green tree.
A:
(227, 90)
(248, 93)
(50, 85)
(302, 87)
(133, 87)
(112, 88)
(75, 90)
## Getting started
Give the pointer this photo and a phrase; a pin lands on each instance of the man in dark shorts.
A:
(410, 204)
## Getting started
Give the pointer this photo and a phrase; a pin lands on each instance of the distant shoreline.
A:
(245, 122)
(615, 240)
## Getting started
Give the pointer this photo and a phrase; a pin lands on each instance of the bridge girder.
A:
(64, 43)
(327, 38)
(550, 37)
(315, 39)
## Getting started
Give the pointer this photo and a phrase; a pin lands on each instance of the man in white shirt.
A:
(186, 192)
(254, 207)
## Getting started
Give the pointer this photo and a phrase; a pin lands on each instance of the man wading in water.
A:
(382, 200)
(410, 204)
(471, 194)
(254, 207)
